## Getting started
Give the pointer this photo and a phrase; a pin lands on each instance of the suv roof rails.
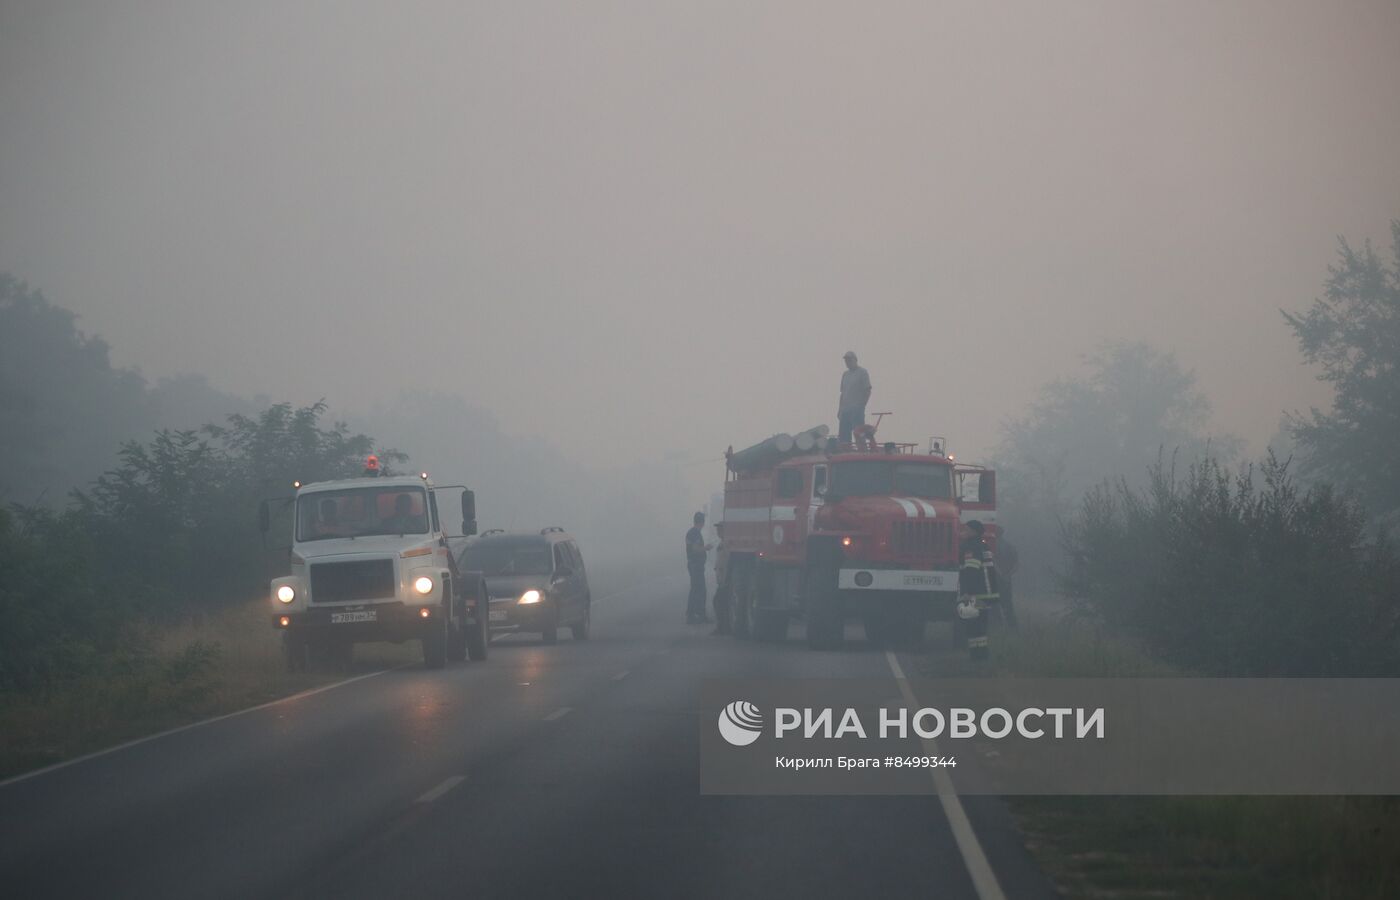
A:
(551, 529)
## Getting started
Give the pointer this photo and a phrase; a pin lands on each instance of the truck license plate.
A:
(498, 615)
(367, 615)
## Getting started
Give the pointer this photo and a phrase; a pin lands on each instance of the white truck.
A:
(370, 562)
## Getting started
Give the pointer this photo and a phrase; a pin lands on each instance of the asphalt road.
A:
(569, 770)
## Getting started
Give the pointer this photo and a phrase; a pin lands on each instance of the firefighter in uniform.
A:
(977, 587)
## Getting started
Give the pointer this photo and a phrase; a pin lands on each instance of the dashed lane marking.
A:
(447, 785)
(559, 713)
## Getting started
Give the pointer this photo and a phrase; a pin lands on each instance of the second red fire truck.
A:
(826, 531)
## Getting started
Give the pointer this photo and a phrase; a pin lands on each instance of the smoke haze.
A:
(640, 232)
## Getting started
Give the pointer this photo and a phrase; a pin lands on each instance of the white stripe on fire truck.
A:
(926, 507)
(746, 514)
(784, 514)
(910, 510)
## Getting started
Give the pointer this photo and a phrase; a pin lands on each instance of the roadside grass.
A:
(218, 664)
(1156, 847)
(1280, 847)
(1066, 648)
(204, 667)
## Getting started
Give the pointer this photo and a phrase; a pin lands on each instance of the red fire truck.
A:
(825, 531)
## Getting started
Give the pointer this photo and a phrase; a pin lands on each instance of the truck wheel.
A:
(825, 630)
(479, 635)
(435, 646)
(824, 627)
(822, 597)
(580, 628)
(294, 651)
(771, 625)
(457, 642)
(743, 600)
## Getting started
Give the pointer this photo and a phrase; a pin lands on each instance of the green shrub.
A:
(1238, 575)
(169, 533)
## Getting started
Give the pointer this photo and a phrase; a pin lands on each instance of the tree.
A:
(1136, 406)
(65, 409)
(1353, 333)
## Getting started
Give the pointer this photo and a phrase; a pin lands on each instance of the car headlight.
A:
(531, 596)
(286, 594)
(423, 584)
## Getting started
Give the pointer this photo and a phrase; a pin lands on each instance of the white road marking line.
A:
(447, 785)
(984, 880)
(559, 713)
(621, 675)
(155, 737)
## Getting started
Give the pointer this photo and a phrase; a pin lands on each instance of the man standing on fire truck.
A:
(696, 550)
(855, 393)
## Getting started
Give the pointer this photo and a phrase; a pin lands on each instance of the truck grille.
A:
(926, 540)
(370, 579)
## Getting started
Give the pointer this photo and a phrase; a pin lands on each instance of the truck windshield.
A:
(870, 478)
(521, 559)
(356, 512)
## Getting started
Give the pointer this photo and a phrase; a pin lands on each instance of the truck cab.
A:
(370, 562)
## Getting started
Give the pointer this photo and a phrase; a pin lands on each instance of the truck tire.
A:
(457, 641)
(476, 636)
(435, 645)
(825, 629)
(456, 622)
(743, 598)
(581, 627)
(479, 635)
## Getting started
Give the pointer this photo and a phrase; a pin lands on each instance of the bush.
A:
(57, 619)
(1238, 575)
(170, 532)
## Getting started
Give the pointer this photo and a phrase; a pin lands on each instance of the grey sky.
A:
(660, 225)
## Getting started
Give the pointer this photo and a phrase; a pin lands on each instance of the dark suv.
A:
(536, 581)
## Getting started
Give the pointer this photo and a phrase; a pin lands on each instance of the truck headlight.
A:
(423, 584)
(530, 596)
(286, 594)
